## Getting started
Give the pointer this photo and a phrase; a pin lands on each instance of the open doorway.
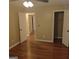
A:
(58, 26)
(31, 23)
(32, 26)
(27, 25)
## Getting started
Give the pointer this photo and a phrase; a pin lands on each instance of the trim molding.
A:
(25, 39)
(14, 45)
(53, 21)
(45, 40)
(65, 44)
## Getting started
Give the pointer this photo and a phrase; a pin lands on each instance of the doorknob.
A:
(67, 30)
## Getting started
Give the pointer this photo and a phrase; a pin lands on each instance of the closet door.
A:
(66, 28)
(22, 26)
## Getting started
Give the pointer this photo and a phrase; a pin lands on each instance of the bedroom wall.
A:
(13, 25)
(45, 22)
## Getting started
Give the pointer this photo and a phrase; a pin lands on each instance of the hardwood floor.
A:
(31, 49)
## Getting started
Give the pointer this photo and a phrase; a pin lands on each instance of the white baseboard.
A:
(14, 45)
(44, 40)
(25, 38)
(66, 44)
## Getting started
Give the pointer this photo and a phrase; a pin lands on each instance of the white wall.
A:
(14, 35)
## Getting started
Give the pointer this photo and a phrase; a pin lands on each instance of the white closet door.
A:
(22, 26)
(66, 28)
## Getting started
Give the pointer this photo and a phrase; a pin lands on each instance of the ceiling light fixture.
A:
(28, 4)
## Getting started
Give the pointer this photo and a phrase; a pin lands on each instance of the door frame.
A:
(27, 14)
(53, 23)
(34, 22)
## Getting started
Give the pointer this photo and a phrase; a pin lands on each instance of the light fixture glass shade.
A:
(28, 4)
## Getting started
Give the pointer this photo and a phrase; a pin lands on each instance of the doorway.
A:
(58, 26)
(27, 25)
(32, 26)
(31, 23)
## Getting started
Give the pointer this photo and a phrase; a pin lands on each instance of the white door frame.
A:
(27, 14)
(53, 23)
(34, 22)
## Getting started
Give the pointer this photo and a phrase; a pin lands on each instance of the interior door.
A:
(22, 26)
(66, 28)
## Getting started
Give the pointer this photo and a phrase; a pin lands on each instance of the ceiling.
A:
(38, 3)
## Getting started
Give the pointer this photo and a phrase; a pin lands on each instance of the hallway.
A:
(31, 49)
